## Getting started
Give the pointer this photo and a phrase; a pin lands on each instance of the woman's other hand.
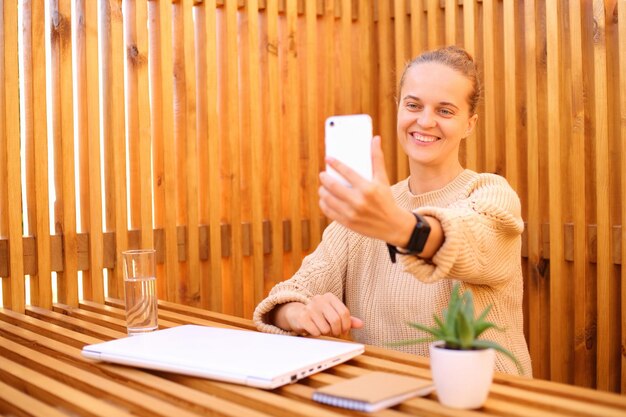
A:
(324, 315)
(367, 207)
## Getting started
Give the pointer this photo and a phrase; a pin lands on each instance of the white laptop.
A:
(245, 357)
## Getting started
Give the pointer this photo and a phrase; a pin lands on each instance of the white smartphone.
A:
(349, 140)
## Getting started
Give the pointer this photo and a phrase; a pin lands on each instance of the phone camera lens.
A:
(332, 123)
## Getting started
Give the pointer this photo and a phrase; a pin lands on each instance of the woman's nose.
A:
(426, 119)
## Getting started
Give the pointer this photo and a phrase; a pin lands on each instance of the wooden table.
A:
(42, 373)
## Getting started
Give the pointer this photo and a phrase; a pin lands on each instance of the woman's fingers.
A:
(325, 315)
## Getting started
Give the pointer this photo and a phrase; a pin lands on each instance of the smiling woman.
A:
(447, 223)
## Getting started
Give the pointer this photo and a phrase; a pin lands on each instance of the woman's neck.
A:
(426, 179)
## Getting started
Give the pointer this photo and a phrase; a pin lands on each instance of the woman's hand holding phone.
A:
(367, 207)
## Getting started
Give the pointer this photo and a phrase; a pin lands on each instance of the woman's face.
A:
(433, 115)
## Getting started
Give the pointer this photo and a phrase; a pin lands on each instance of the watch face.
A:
(419, 235)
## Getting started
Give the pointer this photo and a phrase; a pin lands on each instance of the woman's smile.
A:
(423, 138)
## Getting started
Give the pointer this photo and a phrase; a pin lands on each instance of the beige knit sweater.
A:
(481, 219)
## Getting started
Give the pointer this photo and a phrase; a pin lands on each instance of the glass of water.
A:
(139, 268)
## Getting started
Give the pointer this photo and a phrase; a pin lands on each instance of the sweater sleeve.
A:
(482, 236)
(322, 271)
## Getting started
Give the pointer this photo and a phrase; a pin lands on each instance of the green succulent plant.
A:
(459, 328)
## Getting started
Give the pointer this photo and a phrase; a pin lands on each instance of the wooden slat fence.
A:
(196, 127)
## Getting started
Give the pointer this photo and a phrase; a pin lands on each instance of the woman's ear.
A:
(470, 124)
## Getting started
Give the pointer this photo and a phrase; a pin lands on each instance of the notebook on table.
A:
(244, 357)
(373, 391)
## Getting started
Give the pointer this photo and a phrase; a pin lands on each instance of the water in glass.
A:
(141, 305)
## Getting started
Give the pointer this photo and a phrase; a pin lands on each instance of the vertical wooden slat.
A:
(232, 135)
(621, 10)
(145, 139)
(558, 307)
(418, 27)
(536, 326)
(42, 228)
(510, 95)
(584, 313)
(254, 93)
(200, 46)
(214, 169)
(13, 286)
(402, 163)
(386, 105)
(52, 24)
(131, 117)
(346, 75)
(433, 10)
(4, 198)
(104, 52)
(314, 124)
(113, 110)
(489, 118)
(25, 68)
(193, 259)
(66, 210)
(179, 98)
(469, 39)
(81, 117)
(274, 142)
(185, 133)
(608, 330)
(451, 21)
(168, 174)
(293, 132)
(156, 128)
(96, 247)
(119, 177)
(366, 78)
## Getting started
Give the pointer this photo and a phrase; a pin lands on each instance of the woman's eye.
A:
(413, 106)
(446, 112)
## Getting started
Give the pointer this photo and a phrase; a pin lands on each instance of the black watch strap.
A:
(416, 242)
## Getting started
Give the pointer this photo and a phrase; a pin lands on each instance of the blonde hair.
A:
(457, 59)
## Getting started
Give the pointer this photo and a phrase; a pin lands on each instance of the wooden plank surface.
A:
(41, 351)
(519, 53)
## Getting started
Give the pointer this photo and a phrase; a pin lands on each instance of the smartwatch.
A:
(416, 242)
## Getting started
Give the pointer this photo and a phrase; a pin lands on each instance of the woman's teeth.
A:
(421, 138)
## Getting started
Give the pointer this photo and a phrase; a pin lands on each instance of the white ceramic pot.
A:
(462, 377)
